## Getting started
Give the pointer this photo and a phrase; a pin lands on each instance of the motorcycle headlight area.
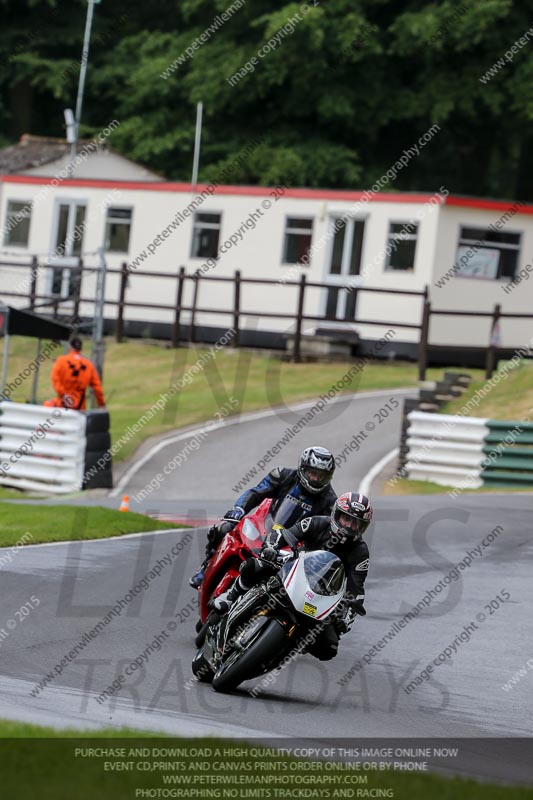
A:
(250, 531)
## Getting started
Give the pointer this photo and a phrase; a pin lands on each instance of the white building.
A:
(465, 250)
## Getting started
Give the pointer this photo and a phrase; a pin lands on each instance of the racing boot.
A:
(224, 601)
(214, 537)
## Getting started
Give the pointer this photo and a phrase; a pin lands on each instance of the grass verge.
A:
(42, 523)
(137, 373)
(41, 762)
(509, 399)
(404, 486)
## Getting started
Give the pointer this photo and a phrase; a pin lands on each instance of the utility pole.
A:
(81, 82)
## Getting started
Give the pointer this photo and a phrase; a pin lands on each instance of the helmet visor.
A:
(317, 478)
(352, 526)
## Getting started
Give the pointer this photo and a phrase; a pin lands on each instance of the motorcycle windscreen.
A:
(289, 513)
(324, 572)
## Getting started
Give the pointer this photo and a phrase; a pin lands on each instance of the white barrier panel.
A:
(446, 449)
(447, 426)
(41, 448)
(26, 415)
(445, 476)
(50, 445)
(438, 452)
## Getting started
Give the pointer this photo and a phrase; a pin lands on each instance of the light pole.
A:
(197, 142)
(81, 83)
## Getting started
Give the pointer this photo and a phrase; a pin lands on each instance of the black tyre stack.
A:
(409, 404)
(98, 442)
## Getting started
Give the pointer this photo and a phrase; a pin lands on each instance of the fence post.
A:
(119, 333)
(177, 315)
(196, 278)
(76, 279)
(299, 316)
(423, 344)
(33, 282)
(493, 343)
(237, 309)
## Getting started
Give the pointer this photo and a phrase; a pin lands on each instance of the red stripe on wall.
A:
(487, 205)
(264, 191)
(250, 191)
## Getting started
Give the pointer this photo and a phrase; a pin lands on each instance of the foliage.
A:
(348, 88)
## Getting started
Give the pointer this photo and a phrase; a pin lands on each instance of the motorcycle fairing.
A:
(299, 585)
(244, 540)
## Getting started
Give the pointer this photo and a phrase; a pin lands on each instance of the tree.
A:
(345, 87)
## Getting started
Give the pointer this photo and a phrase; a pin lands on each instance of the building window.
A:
(117, 230)
(17, 227)
(401, 246)
(483, 253)
(298, 235)
(206, 233)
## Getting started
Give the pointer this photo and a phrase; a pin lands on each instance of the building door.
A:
(343, 265)
(67, 245)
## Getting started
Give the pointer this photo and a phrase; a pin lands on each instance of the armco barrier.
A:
(508, 464)
(445, 449)
(468, 451)
(431, 395)
(41, 448)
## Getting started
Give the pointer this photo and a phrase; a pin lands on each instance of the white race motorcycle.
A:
(278, 618)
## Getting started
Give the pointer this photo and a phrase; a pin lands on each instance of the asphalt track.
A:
(414, 544)
(205, 482)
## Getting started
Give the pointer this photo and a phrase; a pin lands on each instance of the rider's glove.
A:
(344, 624)
(270, 554)
(275, 537)
(273, 542)
(67, 401)
(358, 607)
(234, 514)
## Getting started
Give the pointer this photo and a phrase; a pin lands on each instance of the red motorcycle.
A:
(245, 540)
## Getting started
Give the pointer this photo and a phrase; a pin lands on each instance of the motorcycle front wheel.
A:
(201, 630)
(201, 668)
(241, 666)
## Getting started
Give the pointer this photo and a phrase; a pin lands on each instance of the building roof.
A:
(32, 155)
(35, 151)
(339, 195)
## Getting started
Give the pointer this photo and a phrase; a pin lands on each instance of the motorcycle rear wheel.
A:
(239, 667)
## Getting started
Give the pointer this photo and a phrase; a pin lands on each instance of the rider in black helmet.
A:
(306, 491)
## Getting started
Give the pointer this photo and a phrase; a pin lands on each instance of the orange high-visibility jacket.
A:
(71, 377)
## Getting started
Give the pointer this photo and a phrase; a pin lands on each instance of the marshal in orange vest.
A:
(71, 376)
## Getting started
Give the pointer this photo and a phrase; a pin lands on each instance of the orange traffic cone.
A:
(125, 505)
